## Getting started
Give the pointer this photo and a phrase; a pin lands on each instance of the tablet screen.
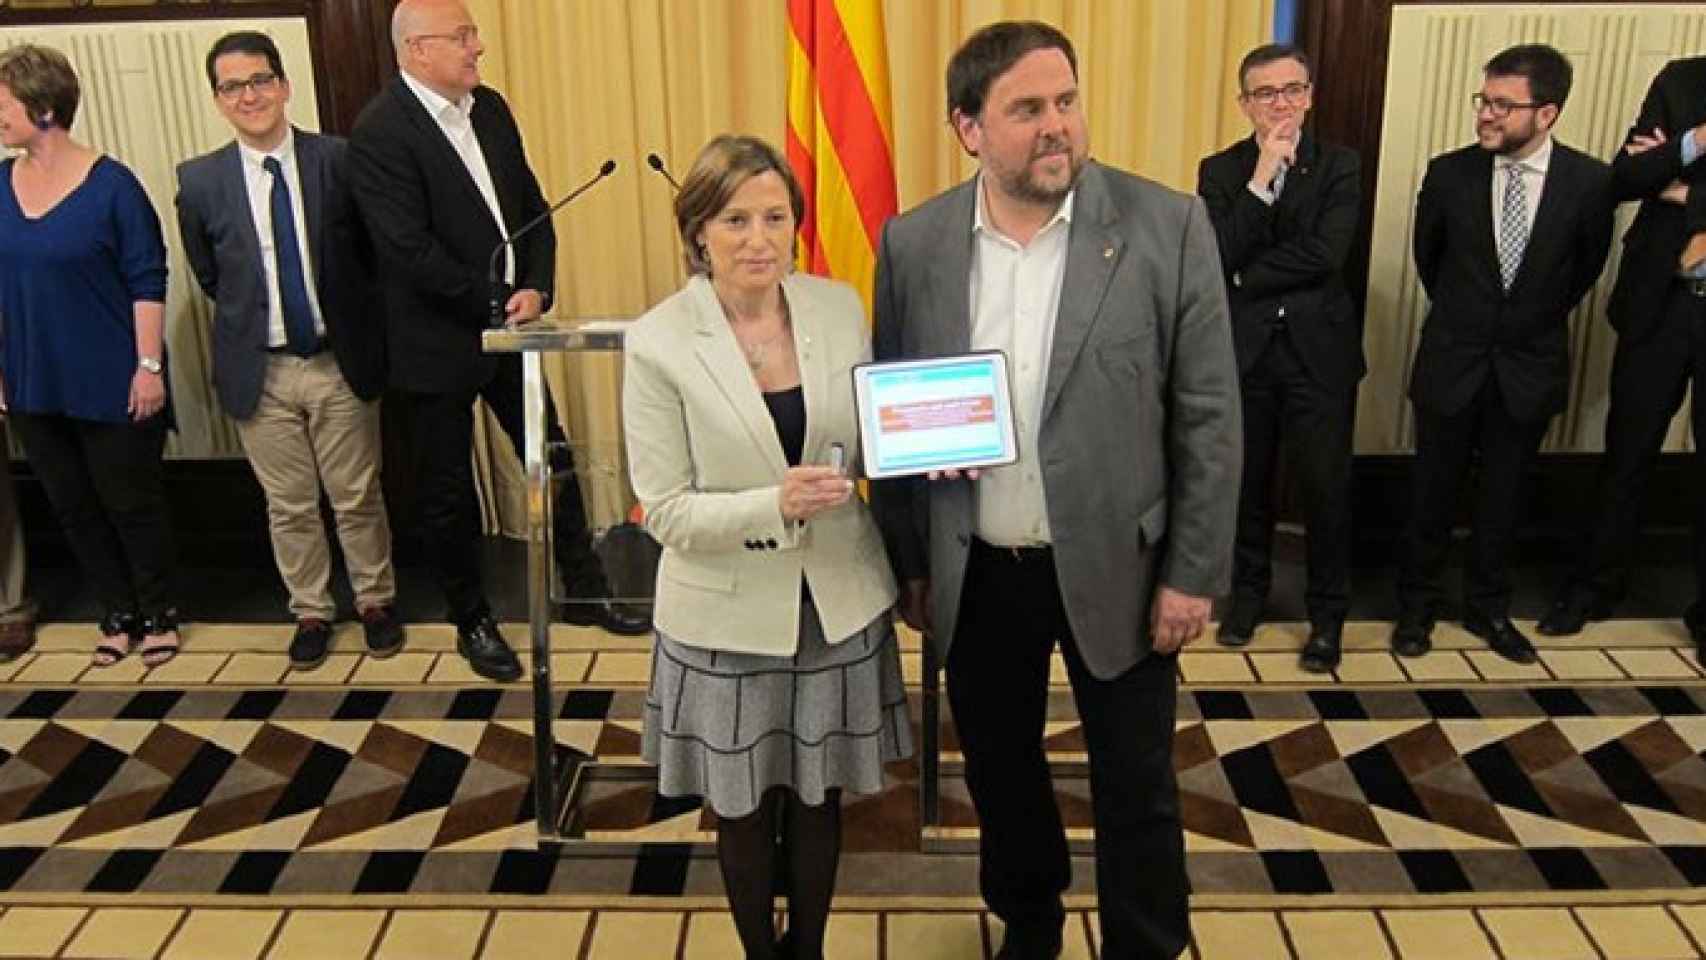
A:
(943, 413)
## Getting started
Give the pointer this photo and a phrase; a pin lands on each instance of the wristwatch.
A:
(150, 364)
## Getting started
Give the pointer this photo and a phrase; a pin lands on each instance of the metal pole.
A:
(538, 468)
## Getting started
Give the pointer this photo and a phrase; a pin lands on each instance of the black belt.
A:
(1042, 554)
(320, 347)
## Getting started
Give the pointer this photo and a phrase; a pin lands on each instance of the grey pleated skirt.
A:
(729, 726)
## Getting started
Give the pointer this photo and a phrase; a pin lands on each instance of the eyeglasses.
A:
(1267, 96)
(260, 83)
(463, 37)
(1499, 108)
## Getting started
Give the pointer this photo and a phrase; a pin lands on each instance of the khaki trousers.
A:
(13, 604)
(310, 430)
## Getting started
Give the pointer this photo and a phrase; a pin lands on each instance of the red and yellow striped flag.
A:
(840, 135)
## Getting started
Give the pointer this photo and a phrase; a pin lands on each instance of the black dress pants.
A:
(107, 487)
(1011, 616)
(1286, 408)
(1446, 446)
(442, 425)
(1648, 381)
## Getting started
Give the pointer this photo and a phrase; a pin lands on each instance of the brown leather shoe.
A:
(16, 638)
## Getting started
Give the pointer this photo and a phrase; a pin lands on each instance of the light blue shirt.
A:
(1692, 148)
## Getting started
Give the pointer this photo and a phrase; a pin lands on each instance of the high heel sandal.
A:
(120, 633)
(160, 640)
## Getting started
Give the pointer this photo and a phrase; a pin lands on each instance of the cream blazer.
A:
(707, 466)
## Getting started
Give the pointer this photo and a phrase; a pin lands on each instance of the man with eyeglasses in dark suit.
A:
(1510, 233)
(1284, 207)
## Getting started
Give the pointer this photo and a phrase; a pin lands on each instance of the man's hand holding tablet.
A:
(943, 417)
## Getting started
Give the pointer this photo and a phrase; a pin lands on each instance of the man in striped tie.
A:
(1510, 233)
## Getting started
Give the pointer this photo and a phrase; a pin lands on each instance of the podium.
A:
(551, 773)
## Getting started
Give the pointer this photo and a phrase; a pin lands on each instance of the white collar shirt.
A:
(456, 120)
(257, 183)
(1015, 300)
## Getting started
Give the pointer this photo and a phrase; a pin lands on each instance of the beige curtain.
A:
(595, 79)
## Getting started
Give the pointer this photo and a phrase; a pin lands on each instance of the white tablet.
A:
(938, 414)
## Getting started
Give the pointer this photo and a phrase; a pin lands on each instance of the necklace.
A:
(758, 351)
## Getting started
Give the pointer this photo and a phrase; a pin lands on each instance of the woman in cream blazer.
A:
(775, 679)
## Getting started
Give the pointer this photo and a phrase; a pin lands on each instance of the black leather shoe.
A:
(1239, 624)
(1321, 653)
(309, 646)
(1026, 944)
(484, 648)
(1695, 620)
(1571, 612)
(1503, 636)
(1412, 638)
(384, 633)
(625, 619)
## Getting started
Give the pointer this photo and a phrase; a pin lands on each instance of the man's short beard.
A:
(1023, 186)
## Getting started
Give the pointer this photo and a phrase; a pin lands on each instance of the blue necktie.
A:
(299, 333)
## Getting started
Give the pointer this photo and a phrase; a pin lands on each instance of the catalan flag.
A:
(840, 135)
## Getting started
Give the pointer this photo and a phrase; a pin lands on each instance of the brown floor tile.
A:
(434, 934)
(1538, 933)
(121, 934)
(1207, 665)
(254, 669)
(1657, 664)
(950, 936)
(55, 667)
(37, 931)
(1241, 935)
(402, 668)
(327, 934)
(223, 935)
(628, 936)
(851, 936)
(1370, 668)
(1494, 667)
(712, 936)
(187, 667)
(1283, 668)
(1438, 935)
(1438, 666)
(129, 670)
(336, 670)
(1636, 933)
(621, 668)
(517, 934)
(1335, 934)
(1580, 665)
(11, 668)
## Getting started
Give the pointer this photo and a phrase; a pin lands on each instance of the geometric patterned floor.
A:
(1451, 806)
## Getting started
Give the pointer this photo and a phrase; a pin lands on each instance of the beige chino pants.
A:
(310, 430)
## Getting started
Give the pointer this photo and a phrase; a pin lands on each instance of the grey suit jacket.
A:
(1140, 436)
(224, 253)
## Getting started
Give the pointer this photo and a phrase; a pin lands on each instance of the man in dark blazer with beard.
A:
(1284, 207)
(438, 169)
(1510, 233)
(1659, 312)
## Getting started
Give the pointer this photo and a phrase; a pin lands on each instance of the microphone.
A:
(656, 163)
(494, 276)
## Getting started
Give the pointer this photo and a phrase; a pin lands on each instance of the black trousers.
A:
(442, 428)
(1285, 407)
(998, 671)
(1648, 381)
(107, 487)
(1446, 446)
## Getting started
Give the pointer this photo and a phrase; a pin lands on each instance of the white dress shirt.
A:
(1533, 181)
(1015, 299)
(258, 183)
(456, 120)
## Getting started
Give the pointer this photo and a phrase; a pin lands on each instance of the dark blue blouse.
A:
(69, 281)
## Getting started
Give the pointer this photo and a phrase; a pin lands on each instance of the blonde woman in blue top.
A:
(82, 319)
